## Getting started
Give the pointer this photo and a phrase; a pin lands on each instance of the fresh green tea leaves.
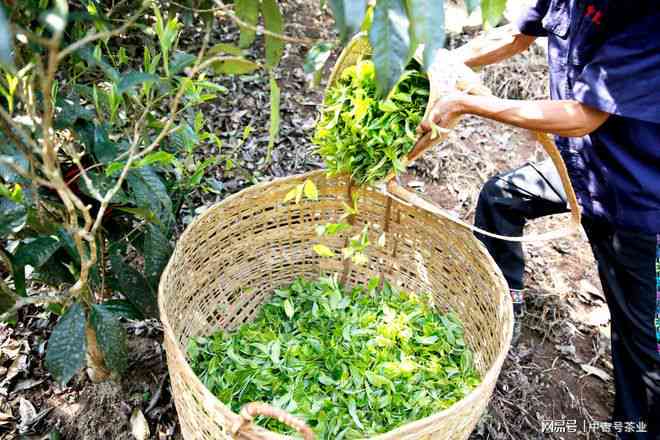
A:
(132, 79)
(331, 229)
(366, 137)
(226, 48)
(323, 250)
(292, 194)
(310, 190)
(289, 310)
(307, 188)
(111, 338)
(492, 11)
(351, 363)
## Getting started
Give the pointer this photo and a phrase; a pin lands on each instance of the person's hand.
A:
(444, 113)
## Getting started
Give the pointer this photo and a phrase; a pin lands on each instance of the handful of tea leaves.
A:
(350, 363)
(364, 136)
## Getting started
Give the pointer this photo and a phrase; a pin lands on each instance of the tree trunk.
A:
(96, 369)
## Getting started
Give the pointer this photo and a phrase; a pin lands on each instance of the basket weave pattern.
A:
(233, 256)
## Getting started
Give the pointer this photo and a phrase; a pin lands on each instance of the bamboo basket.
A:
(230, 259)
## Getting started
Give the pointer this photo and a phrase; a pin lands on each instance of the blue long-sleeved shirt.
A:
(606, 54)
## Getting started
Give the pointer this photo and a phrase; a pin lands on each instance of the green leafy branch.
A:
(356, 246)
(70, 158)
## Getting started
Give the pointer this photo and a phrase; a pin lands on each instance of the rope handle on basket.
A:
(427, 140)
(254, 409)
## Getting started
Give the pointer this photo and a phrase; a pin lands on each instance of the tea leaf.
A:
(132, 79)
(133, 285)
(389, 38)
(492, 11)
(247, 11)
(150, 192)
(288, 308)
(323, 250)
(310, 190)
(37, 251)
(65, 354)
(111, 337)
(349, 15)
(157, 251)
(347, 360)
(274, 22)
(234, 66)
(290, 195)
(299, 192)
(226, 48)
(364, 136)
(13, 217)
(121, 308)
(159, 157)
(427, 18)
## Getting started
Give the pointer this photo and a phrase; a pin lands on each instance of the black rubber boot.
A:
(518, 312)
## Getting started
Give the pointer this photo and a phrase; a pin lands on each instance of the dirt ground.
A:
(560, 370)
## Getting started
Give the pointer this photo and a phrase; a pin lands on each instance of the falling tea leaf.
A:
(310, 190)
(323, 250)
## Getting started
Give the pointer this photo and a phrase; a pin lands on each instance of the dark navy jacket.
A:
(606, 54)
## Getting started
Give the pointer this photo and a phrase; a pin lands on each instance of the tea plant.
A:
(97, 154)
(350, 363)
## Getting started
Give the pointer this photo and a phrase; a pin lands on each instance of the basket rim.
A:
(488, 379)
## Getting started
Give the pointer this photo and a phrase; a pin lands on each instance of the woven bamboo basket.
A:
(231, 258)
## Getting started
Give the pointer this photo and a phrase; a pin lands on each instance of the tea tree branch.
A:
(100, 35)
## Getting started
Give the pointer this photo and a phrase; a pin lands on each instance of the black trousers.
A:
(628, 272)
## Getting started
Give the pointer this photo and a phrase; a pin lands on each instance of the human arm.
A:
(494, 47)
(506, 41)
(563, 118)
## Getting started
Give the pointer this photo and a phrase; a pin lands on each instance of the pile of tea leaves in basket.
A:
(351, 363)
(363, 135)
